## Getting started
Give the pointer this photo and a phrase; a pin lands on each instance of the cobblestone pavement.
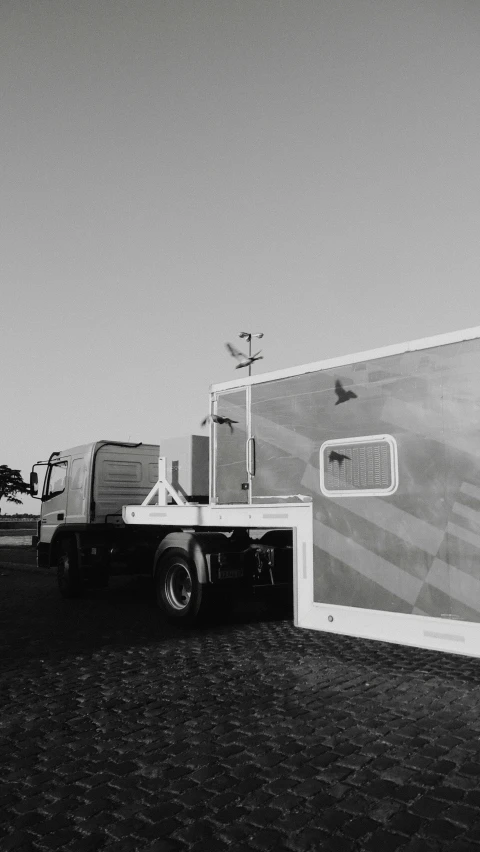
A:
(122, 733)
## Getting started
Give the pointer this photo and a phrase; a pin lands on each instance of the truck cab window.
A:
(56, 480)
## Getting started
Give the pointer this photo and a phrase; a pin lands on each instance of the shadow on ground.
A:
(37, 623)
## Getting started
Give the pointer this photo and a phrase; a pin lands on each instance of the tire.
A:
(69, 576)
(180, 596)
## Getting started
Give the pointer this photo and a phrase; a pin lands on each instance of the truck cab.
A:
(64, 497)
(84, 489)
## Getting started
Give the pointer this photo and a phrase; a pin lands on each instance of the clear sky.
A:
(176, 171)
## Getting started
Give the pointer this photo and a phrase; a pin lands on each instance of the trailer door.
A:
(231, 480)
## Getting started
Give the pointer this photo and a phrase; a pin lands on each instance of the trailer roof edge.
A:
(368, 355)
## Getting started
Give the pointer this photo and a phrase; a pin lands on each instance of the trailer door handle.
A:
(251, 456)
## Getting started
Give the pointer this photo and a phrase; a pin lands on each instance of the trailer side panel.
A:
(389, 452)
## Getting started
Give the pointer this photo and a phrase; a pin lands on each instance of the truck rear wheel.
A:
(180, 596)
(68, 569)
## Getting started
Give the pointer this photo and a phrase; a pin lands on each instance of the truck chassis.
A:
(198, 557)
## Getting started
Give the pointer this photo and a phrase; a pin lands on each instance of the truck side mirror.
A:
(33, 483)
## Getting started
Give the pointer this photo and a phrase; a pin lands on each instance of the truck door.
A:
(231, 449)
(76, 499)
(54, 499)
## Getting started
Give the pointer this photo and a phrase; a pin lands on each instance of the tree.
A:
(11, 484)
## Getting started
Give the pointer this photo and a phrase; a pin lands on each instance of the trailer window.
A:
(56, 479)
(364, 465)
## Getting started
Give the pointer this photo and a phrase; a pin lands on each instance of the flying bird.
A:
(243, 360)
(216, 418)
(339, 457)
(343, 395)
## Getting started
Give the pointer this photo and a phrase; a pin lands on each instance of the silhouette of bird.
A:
(217, 418)
(339, 457)
(343, 395)
(243, 360)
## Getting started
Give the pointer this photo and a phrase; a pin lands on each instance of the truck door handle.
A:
(251, 456)
(60, 516)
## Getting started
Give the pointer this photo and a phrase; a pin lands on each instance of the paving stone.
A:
(450, 794)
(199, 830)
(441, 829)
(428, 807)
(383, 841)
(157, 830)
(288, 802)
(29, 819)
(333, 818)
(329, 844)
(293, 820)
(408, 793)
(321, 801)
(355, 804)
(308, 788)
(266, 839)
(263, 816)
(461, 815)
(358, 827)
(223, 799)
(228, 815)
(15, 841)
(405, 823)
(161, 810)
(473, 833)
(235, 833)
(247, 786)
(58, 840)
(383, 811)
(472, 797)
(257, 799)
(160, 846)
(310, 839)
(92, 843)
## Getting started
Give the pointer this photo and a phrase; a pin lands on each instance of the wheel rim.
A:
(178, 586)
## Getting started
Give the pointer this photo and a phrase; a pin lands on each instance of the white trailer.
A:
(370, 465)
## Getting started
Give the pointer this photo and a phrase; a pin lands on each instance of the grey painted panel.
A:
(415, 550)
(390, 518)
(385, 574)
(471, 490)
(464, 534)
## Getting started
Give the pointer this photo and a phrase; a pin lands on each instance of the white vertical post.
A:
(162, 475)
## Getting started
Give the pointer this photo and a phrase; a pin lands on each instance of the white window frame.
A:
(362, 492)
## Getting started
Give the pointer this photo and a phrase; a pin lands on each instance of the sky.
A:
(174, 172)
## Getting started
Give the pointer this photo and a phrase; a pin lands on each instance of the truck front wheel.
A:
(68, 569)
(180, 596)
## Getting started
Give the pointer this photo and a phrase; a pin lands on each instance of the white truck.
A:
(357, 477)
(82, 534)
